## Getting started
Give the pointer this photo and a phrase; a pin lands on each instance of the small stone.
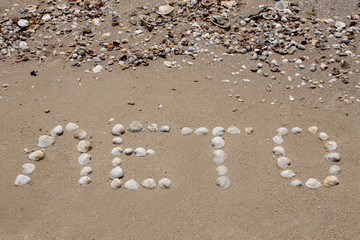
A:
(283, 162)
(287, 174)
(116, 161)
(201, 131)
(140, 152)
(296, 130)
(217, 142)
(219, 156)
(71, 127)
(116, 151)
(333, 157)
(45, 141)
(278, 139)
(37, 155)
(331, 146)
(150, 152)
(249, 130)
(282, 131)
(57, 131)
(334, 169)
(84, 159)
(132, 185)
(165, 183)
(153, 127)
(28, 168)
(313, 129)
(218, 131)
(331, 181)
(84, 181)
(128, 151)
(222, 170)
(186, 131)
(116, 183)
(135, 127)
(313, 183)
(279, 151)
(232, 130)
(116, 172)
(84, 146)
(21, 180)
(80, 134)
(117, 130)
(296, 183)
(117, 140)
(223, 182)
(86, 171)
(149, 183)
(165, 129)
(323, 136)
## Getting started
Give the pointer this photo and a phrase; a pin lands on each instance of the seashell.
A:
(221, 22)
(331, 181)
(116, 161)
(228, 4)
(117, 130)
(340, 25)
(186, 131)
(46, 17)
(223, 182)
(219, 156)
(333, 157)
(80, 134)
(165, 129)
(149, 183)
(132, 185)
(279, 151)
(201, 131)
(217, 142)
(296, 183)
(84, 146)
(165, 183)
(116, 151)
(249, 130)
(45, 141)
(96, 21)
(323, 136)
(86, 171)
(128, 151)
(296, 130)
(97, 69)
(84, 181)
(331, 146)
(84, 159)
(28, 168)
(21, 180)
(117, 140)
(207, 3)
(57, 131)
(165, 10)
(116, 172)
(218, 131)
(233, 130)
(23, 23)
(313, 183)
(150, 152)
(283, 162)
(37, 155)
(288, 174)
(282, 131)
(222, 170)
(147, 20)
(31, 8)
(281, 6)
(313, 129)
(116, 183)
(278, 139)
(61, 6)
(334, 169)
(140, 152)
(135, 127)
(71, 127)
(153, 127)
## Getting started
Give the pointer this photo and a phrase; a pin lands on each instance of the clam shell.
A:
(334, 169)
(117, 130)
(331, 146)
(222, 170)
(219, 156)
(165, 9)
(186, 131)
(223, 182)
(153, 127)
(37, 155)
(71, 127)
(46, 17)
(84, 146)
(283, 162)
(249, 130)
(218, 131)
(116, 161)
(296, 183)
(135, 127)
(117, 140)
(84, 159)
(140, 152)
(333, 157)
(21, 180)
(165, 183)
(45, 141)
(80, 134)
(281, 6)
(57, 131)
(128, 151)
(201, 131)
(84, 181)
(331, 181)
(116, 183)
(279, 151)
(278, 139)
(313, 129)
(313, 183)
(23, 23)
(61, 6)
(28, 168)
(323, 136)
(86, 171)
(132, 185)
(288, 174)
(116, 172)
(116, 151)
(296, 130)
(232, 130)
(150, 152)
(165, 129)
(282, 131)
(218, 142)
(149, 183)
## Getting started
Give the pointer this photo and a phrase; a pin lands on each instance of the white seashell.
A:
(279, 151)
(165, 9)
(313, 129)
(201, 131)
(84, 146)
(323, 136)
(86, 171)
(282, 131)
(116, 172)
(223, 182)
(95, 21)
(140, 152)
(334, 169)
(80, 134)
(333, 157)
(296, 130)
(218, 142)
(61, 6)
(84, 159)
(219, 156)
(281, 6)
(149, 183)
(186, 131)
(153, 127)
(23, 23)
(117, 140)
(117, 130)
(249, 130)
(128, 151)
(37, 155)
(85, 180)
(222, 170)
(21, 180)
(57, 131)
(150, 152)
(233, 130)
(218, 131)
(71, 127)
(116, 183)
(46, 17)
(331, 181)
(136, 126)
(283, 162)
(331, 146)
(28, 168)
(278, 139)
(313, 183)
(97, 69)
(165, 183)
(116, 161)
(287, 174)
(296, 183)
(132, 185)
(45, 141)
(165, 129)
(116, 151)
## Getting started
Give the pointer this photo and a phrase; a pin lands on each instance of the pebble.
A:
(128, 151)
(165, 129)
(116, 172)
(313, 129)
(287, 174)
(331, 181)
(283, 162)
(323, 136)
(84, 146)
(201, 131)
(333, 157)
(222, 170)
(218, 131)
(150, 152)
(313, 183)
(149, 183)
(249, 130)
(28, 168)
(278, 139)
(296, 183)
(132, 185)
(217, 142)
(219, 156)
(117, 140)
(86, 171)
(334, 169)
(116, 161)
(84, 181)
(279, 151)
(45, 141)
(186, 131)
(116, 151)
(116, 183)
(80, 134)
(37, 155)
(84, 159)
(21, 180)
(233, 130)
(140, 152)
(153, 127)
(135, 127)
(223, 182)
(165, 183)
(71, 127)
(117, 130)
(296, 130)
(331, 146)
(57, 131)
(282, 131)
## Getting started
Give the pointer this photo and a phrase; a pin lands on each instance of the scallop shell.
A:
(232, 130)
(283, 162)
(218, 131)
(334, 169)
(128, 151)
(153, 127)
(296, 183)
(218, 142)
(313, 183)
(28, 168)
(71, 127)
(249, 130)
(331, 146)
(279, 151)
(116, 151)
(149, 183)
(288, 174)
(45, 141)
(201, 131)
(116, 161)
(84, 181)
(282, 131)
(331, 181)
(219, 156)
(140, 152)
(165, 183)
(86, 171)
(37, 155)
(117, 140)
(80, 134)
(135, 127)
(222, 170)
(84, 159)
(165, 129)
(165, 10)
(333, 157)
(132, 185)
(117, 130)
(223, 182)
(278, 139)
(296, 130)
(57, 131)
(323, 136)
(84, 146)
(186, 131)
(116, 183)
(150, 152)
(313, 129)
(116, 172)
(21, 180)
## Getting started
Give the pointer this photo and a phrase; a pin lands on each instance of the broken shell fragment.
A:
(249, 130)
(165, 183)
(37, 155)
(135, 127)
(45, 141)
(153, 127)
(223, 182)
(221, 22)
